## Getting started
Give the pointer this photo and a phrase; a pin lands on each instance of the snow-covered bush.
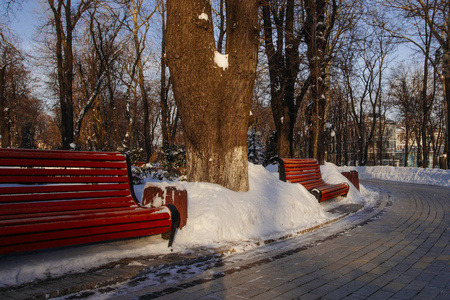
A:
(255, 148)
(172, 162)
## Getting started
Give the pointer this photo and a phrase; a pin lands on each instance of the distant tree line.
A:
(322, 66)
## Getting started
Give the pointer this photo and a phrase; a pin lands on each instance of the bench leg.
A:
(174, 226)
(317, 193)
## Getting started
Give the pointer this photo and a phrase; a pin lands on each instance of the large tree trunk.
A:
(213, 97)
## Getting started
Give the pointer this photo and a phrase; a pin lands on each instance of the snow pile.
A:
(404, 174)
(271, 208)
(203, 16)
(221, 60)
(332, 174)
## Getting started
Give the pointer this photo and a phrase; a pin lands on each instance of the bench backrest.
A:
(305, 171)
(50, 181)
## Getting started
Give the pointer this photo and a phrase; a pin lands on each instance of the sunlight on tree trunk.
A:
(213, 91)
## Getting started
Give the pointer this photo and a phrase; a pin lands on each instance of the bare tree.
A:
(282, 37)
(405, 90)
(169, 113)
(96, 60)
(19, 110)
(63, 20)
(307, 32)
(429, 23)
(213, 91)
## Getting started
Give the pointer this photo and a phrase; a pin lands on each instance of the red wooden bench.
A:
(54, 198)
(307, 172)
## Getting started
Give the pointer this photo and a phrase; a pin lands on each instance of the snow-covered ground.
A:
(402, 174)
(217, 218)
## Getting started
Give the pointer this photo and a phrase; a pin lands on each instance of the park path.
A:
(399, 250)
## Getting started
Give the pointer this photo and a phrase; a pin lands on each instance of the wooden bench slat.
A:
(63, 179)
(40, 189)
(84, 196)
(60, 163)
(85, 231)
(47, 216)
(21, 154)
(304, 177)
(82, 240)
(11, 211)
(72, 222)
(61, 222)
(61, 171)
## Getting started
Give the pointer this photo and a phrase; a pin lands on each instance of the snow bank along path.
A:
(404, 174)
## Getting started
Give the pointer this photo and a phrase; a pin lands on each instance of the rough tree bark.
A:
(319, 21)
(213, 92)
(282, 50)
(64, 19)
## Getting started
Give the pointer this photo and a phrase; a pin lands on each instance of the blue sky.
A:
(24, 22)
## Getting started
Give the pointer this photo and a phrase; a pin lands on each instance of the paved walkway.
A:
(400, 253)
(399, 250)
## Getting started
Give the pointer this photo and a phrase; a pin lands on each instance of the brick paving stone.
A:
(429, 291)
(405, 279)
(353, 286)
(324, 289)
(440, 281)
(413, 272)
(285, 287)
(313, 284)
(381, 295)
(420, 265)
(268, 295)
(367, 290)
(394, 286)
(337, 294)
(417, 285)
(406, 294)
(295, 293)
(367, 277)
(252, 292)
(329, 276)
(302, 280)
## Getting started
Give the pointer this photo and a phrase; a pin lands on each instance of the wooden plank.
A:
(49, 199)
(60, 163)
(25, 210)
(39, 189)
(90, 219)
(61, 171)
(83, 232)
(302, 177)
(32, 218)
(63, 179)
(300, 161)
(81, 240)
(61, 155)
